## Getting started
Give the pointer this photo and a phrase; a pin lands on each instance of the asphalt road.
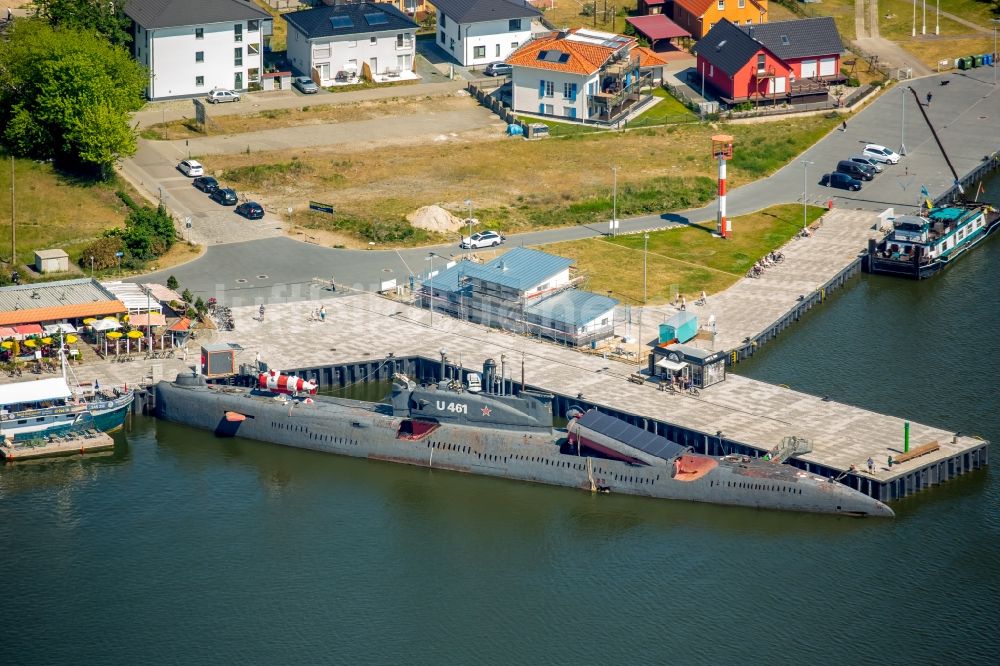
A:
(964, 112)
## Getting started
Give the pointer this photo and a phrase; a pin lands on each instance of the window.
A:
(253, 25)
(514, 25)
(444, 21)
(442, 36)
(513, 45)
(238, 57)
(199, 33)
(749, 21)
(569, 91)
(253, 49)
(199, 56)
(238, 32)
(549, 109)
(498, 51)
(711, 70)
(401, 41)
(549, 88)
(253, 74)
(721, 6)
(238, 81)
(760, 62)
(569, 112)
(451, 44)
(479, 52)
(199, 81)
(373, 40)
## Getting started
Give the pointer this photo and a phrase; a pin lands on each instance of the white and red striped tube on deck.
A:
(272, 380)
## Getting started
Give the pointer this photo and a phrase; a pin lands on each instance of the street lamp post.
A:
(937, 17)
(913, 31)
(468, 202)
(805, 185)
(614, 202)
(645, 247)
(996, 23)
(430, 276)
(902, 121)
(923, 25)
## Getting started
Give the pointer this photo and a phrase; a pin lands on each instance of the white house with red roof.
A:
(582, 75)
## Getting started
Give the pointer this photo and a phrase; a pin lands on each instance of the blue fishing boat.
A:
(36, 409)
(920, 245)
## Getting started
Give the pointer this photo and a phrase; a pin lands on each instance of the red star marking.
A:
(486, 411)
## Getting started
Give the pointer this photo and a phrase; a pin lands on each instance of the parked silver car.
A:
(217, 96)
(305, 85)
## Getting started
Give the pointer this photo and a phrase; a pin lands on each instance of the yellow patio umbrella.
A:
(88, 321)
(7, 344)
(135, 335)
(30, 343)
(70, 339)
(110, 318)
(114, 335)
(46, 340)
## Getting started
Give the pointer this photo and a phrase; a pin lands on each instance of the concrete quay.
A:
(56, 447)
(738, 415)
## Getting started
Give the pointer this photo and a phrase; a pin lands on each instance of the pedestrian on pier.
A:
(322, 313)
(871, 465)
(890, 462)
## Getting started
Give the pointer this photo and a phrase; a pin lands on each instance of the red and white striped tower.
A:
(722, 150)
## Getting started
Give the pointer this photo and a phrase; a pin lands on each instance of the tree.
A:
(172, 282)
(187, 296)
(106, 17)
(66, 94)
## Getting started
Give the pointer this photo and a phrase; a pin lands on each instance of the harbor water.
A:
(184, 548)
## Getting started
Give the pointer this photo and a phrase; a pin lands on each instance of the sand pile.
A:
(434, 218)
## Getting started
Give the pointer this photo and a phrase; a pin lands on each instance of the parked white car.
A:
(881, 154)
(217, 96)
(482, 239)
(191, 168)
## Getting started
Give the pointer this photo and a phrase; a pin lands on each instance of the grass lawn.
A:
(954, 40)
(667, 110)
(683, 260)
(517, 184)
(569, 14)
(58, 211)
(279, 35)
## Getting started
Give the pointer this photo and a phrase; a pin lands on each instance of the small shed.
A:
(703, 366)
(681, 327)
(51, 261)
(218, 360)
(276, 81)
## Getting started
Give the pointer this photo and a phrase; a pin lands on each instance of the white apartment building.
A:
(192, 46)
(478, 32)
(339, 43)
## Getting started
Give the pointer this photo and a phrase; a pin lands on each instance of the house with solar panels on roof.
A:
(793, 62)
(581, 74)
(340, 44)
(478, 32)
(525, 291)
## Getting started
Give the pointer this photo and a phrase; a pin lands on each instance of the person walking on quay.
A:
(322, 313)
(871, 465)
(683, 302)
(262, 312)
(843, 126)
(929, 99)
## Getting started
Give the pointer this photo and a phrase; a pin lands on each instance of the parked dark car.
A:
(841, 181)
(206, 184)
(855, 170)
(498, 69)
(250, 210)
(225, 196)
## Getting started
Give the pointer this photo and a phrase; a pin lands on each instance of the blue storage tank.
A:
(515, 130)
(681, 327)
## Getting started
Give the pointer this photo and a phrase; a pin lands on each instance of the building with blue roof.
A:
(524, 290)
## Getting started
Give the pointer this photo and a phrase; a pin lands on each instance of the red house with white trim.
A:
(783, 62)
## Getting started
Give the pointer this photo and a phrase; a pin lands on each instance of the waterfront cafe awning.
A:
(105, 325)
(40, 389)
(24, 330)
(54, 329)
(670, 365)
(144, 320)
(6, 332)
